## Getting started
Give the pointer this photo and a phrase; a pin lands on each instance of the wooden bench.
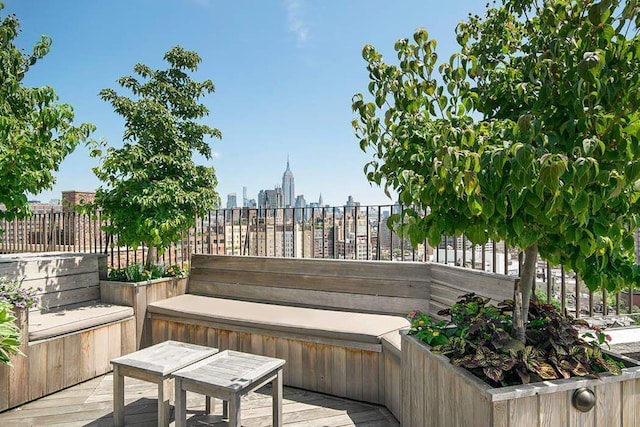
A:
(325, 317)
(71, 336)
(335, 322)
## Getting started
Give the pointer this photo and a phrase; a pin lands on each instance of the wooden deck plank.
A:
(90, 404)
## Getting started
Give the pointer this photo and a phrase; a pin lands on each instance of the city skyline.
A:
(285, 73)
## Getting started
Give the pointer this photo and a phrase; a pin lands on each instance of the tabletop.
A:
(230, 370)
(166, 357)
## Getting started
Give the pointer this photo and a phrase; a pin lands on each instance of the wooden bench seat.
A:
(74, 318)
(349, 329)
(71, 336)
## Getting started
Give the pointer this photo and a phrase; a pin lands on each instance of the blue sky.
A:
(284, 70)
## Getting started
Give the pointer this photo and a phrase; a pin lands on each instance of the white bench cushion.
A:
(262, 317)
(74, 318)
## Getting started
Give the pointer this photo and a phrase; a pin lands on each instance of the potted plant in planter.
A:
(9, 334)
(136, 286)
(530, 134)
(469, 370)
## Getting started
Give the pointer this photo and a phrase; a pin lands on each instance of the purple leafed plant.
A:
(12, 291)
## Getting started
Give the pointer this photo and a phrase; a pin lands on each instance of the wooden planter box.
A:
(434, 392)
(13, 379)
(140, 294)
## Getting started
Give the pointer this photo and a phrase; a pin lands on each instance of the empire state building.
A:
(288, 187)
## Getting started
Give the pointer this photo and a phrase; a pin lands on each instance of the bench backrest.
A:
(449, 282)
(383, 287)
(362, 286)
(65, 278)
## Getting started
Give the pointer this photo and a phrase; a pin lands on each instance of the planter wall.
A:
(13, 379)
(138, 295)
(434, 392)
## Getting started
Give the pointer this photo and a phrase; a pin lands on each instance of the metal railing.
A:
(346, 232)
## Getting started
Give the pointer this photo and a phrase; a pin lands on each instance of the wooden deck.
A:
(90, 404)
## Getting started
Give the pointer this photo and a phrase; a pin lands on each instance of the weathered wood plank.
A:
(554, 411)
(74, 296)
(524, 412)
(305, 298)
(37, 371)
(410, 271)
(55, 365)
(631, 403)
(48, 266)
(309, 363)
(397, 287)
(496, 286)
(608, 409)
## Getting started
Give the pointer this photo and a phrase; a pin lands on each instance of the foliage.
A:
(138, 272)
(555, 302)
(477, 336)
(529, 134)
(9, 334)
(12, 292)
(152, 188)
(36, 132)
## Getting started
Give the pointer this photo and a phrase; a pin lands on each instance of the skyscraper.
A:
(232, 201)
(288, 187)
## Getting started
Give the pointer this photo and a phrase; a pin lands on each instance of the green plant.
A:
(152, 188)
(9, 334)
(542, 296)
(138, 272)
(477, 336)
(12, 292)
(528, 134)
(36, 131)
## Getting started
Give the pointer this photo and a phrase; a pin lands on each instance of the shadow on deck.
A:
(90, 404)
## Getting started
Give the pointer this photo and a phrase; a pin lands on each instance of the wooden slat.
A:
(37, 371)
(554, 411)
(608, 407)
(409, 271)
(63, 283)
(524, 412)
(398, 287)
(631, 403)
(75, 296)
(318, 299)
(496, 286)
(50, 266)
(55, 364)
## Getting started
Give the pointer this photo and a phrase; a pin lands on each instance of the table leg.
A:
(164, 395)
(276, 393)
(225, 409)
(118, 397)
(181, 404)
(234, 411)
(209, 405)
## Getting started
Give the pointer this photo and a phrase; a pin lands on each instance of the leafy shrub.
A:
(478, 338)
(9, 333)
(13, 293)
(137, 273)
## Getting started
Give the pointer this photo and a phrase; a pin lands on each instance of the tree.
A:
(152, 189)
(529, 134)
(36, 132)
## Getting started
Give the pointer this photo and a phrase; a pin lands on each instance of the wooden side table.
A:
(154, 364)
(229, 375)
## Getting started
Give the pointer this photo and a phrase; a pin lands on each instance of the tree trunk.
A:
(522, 298)
(152, 257)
